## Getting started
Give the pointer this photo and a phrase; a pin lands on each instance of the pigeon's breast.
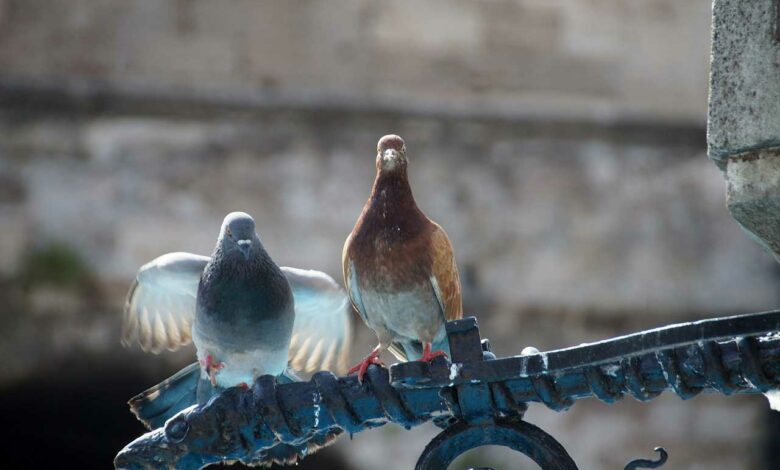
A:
(392, 255)
(248, 366)
(393, 267)
(243, 314)
(247, 330)
(406, 313)
(242, 366)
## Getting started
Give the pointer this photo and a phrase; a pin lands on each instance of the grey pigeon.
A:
(246, 316)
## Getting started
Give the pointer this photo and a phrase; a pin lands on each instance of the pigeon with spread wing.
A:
(246, 316)
(399, 267)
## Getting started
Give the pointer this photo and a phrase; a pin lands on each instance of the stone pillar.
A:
(743, 127)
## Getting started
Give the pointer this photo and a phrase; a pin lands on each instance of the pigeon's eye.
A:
(229, 232)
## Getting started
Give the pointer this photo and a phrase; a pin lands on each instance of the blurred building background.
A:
(560, 143)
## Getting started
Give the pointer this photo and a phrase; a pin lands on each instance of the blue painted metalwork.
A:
(474, 394)
(515, 434)
(643, 463)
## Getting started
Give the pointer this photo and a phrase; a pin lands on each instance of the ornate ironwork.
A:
(644, 463)
(473, 394)
(516, 434)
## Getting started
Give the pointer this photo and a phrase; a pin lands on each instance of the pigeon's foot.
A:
(243, 386)
(362, 366)
(428, 356)
(212, 367)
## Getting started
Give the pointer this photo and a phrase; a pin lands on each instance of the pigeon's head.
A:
(390, 153)
(238, 233)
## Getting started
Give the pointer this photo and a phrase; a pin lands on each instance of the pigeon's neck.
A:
(392, 199)
(233, 287)
(391, 216)
(232, 265)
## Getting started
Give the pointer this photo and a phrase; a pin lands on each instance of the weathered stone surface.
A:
(753, 195)
(744, 114)
(566, 231)
(608, 60)
(744, 110)
(613, 219)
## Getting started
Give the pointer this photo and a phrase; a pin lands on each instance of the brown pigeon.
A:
(399, 268)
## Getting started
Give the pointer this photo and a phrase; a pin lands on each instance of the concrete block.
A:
(744, 107)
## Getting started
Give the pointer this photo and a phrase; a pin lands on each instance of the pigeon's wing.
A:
(350, 280)
(322, 331)
(160, 306)
(444, 275)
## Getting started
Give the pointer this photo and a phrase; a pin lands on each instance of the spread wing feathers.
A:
(160, 306)
(160, 309)
(444, 275)
(322, 332)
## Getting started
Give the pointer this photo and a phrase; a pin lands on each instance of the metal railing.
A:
(477, 399)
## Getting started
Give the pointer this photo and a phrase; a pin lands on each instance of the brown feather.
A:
(345, 269)
(391, 235)
(395, 248)
(445, 270)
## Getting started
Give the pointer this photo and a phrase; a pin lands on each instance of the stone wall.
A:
(605, 60)
(564, 234)
(743, 129)
(561, 144)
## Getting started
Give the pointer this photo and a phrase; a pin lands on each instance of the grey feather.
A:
(162, 295)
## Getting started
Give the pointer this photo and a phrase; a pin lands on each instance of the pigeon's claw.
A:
(428, 356)
(212, 368)
(362, 366)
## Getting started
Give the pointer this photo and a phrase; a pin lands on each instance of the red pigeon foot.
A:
(243, 386)
(212, 368)
(428, 356)
(362, 366)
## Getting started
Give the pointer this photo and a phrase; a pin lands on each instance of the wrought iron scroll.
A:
(518, 435)
(729, 355)
(644, 463)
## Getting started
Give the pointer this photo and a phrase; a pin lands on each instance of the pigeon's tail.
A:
(288, 376)
(183, 389)
(412, 350)
(403, 350)
(154, 406)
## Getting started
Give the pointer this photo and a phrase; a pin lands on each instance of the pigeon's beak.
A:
(390, 159)
(245, 246)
